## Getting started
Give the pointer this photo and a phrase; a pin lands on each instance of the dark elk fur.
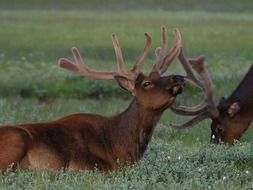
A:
(85, 141)
(236, 112)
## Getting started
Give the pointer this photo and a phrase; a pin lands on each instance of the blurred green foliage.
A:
(126, 5)
(31, 42)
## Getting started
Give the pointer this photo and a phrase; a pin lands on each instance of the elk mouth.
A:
(177, 89)
(178, 86)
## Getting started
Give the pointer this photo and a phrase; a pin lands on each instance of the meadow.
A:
(34, 89)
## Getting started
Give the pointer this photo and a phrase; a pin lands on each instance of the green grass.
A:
(33, 89)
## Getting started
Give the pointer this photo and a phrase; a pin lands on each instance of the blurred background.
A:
(123, 5)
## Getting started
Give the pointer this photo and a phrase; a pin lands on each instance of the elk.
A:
(85, 141)
(231, 117)
(236, 112)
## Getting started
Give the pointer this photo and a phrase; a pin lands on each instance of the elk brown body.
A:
(85, 141)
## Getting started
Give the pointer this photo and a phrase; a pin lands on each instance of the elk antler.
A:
(163, 61)
(82, 68)
(207, 107)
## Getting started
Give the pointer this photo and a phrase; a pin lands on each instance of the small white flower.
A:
(179, 157)
(247, 171)
(224, 178)
(168, 157)
(213, 136)
(199, 169)
(209, 187)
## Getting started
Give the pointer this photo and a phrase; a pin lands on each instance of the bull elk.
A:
(231, 117)
(84, 141)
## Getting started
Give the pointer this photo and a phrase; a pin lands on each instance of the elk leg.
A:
(13, 147)
(41, 156)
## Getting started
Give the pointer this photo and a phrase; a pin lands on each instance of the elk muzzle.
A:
(178, 85)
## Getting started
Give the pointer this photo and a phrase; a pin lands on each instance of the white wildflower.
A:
(247, 171)
(224, 178)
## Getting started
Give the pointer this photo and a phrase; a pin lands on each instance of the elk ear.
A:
(125, 83)
(233, 109)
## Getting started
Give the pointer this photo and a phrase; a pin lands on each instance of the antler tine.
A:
(205, 109)
(140, 59)
(161, 51)
(191, 123)
(189, 72)
(81, 67)
(189, 111)
(200, 68)
(87, 72)
(120, 61)
(188, 67)
(174, 52)
(68, 65)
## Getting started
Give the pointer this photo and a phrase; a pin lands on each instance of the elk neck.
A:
(133, 130)
(244, 93)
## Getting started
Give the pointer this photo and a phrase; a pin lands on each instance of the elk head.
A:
(153, 91)
(225, 126)
(236, 112)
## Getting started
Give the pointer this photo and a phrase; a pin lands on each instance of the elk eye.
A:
(219, 130)
(146, 84)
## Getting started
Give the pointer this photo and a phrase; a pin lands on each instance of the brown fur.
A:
(230, 127)
(85, 141)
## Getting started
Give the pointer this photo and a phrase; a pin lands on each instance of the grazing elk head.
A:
(153, 91)
(231, 117)
(236, 112)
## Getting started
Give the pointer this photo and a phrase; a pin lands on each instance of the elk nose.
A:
(179, 79)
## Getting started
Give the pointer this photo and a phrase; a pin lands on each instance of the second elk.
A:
(231, 117)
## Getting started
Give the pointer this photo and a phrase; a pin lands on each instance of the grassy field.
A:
(33, 89)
